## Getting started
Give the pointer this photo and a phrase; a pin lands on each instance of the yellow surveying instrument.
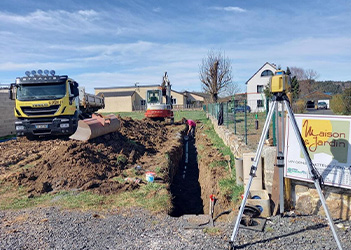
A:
(279, 85)
(280, 82)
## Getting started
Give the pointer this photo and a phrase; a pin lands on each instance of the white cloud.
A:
(229, 9)
(157, 9)
(58, 21)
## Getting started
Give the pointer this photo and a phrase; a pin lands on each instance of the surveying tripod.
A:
(316, 177)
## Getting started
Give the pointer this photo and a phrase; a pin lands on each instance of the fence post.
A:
(245, 112)
(234, 114)
(227, 116)
(274, 127)
(217, 111)
(267, 110)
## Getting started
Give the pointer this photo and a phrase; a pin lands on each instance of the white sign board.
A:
(327, 139)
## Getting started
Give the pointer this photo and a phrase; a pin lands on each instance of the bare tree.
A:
(231, 89)
(311, 75)
(215, 74)
(306, 79)
(298, 72)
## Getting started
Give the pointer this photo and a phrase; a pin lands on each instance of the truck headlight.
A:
(19, 127)
(64, 125)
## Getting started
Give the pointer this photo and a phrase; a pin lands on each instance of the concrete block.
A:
(260, 199)
(248, 160)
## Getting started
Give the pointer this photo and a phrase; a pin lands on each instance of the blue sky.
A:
(118, 43)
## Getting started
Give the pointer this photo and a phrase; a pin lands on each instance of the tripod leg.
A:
(313, 171)
(280, 161)
(252, 172)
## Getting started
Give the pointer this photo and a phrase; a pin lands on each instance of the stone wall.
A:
(305, 198)
(7, 117)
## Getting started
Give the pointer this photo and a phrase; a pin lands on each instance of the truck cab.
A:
(45, 104)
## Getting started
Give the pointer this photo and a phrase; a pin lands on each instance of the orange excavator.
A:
(50, 104)
(159, 102)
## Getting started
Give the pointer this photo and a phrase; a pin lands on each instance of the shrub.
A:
(299, 106)
(337, 104)
(346, 96)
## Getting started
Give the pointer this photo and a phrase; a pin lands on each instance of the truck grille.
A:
(30, 111)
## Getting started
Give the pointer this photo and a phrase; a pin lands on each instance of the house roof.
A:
(203, 95)
(316, 95)
(272, 65)
(181, 93)
(131, 87)
(116, 94)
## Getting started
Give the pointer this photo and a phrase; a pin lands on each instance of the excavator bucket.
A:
(95, 126)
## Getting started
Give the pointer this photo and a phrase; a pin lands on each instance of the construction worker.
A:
(192, 125)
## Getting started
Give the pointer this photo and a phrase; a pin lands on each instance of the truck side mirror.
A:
(12, 93)
(74, 89)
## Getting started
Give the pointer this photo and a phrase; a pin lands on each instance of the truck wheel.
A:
(32, 137)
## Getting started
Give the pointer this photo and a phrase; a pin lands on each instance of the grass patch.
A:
(119, 179)
(190, 114)
(7, 137)
(269, 229)
(82, 200)
(153, 196)
(216, 164)
(229, 188)
(17, 198)
(121, 159)
(212, 231)
(158, 170)
(28, 166)
(132, 142)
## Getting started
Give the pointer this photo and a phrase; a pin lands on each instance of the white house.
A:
(255, 86)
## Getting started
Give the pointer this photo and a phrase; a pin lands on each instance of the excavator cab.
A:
(153, 96)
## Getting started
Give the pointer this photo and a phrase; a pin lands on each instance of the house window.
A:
(142, 102)
(174, 101)
(267, 72)
(260, 104)
(260, 88)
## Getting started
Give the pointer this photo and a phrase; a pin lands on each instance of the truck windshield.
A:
(47, 91)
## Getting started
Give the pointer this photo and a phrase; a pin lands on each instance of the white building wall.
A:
(251, 88)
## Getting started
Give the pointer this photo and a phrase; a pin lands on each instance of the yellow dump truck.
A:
(49, 104)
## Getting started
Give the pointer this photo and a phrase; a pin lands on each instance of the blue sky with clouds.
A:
(117, 43)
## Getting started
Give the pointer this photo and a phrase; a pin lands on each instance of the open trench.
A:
(185, 187)
(195, 175)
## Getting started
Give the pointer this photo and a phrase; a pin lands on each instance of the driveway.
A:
(319, 111)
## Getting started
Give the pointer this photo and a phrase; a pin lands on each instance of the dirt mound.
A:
(60, 164)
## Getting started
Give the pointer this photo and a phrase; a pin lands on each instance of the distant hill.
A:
(333, 87)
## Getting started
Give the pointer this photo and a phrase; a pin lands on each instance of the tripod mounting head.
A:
(280, 82)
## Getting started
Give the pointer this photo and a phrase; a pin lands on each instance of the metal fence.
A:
(242, 120)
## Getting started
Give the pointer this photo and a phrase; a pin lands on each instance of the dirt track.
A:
(56, 164)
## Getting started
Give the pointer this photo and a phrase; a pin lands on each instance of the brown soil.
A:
(210, 176)
(59, 164)
(55, 164)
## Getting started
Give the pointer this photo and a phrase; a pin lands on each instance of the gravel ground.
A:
(52, 228)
